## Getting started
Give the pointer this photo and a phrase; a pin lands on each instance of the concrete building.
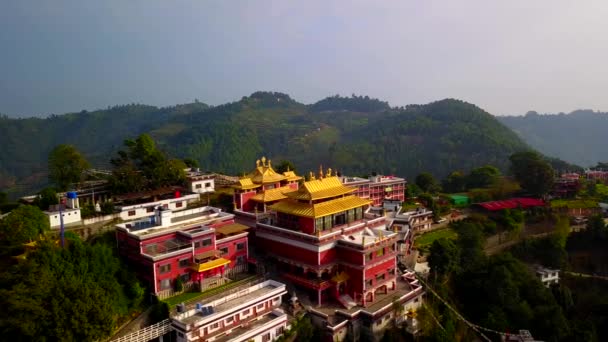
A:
(546, 275)
(251, 314)
(377, 188)
(70, 211)
(138, 205)
(199, 182)
(202, 246)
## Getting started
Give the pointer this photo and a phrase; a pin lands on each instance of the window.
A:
(150, 249)
(207, 242)
(260, 307)
(131, 212)
(240, 260)
(391, 271)
(215, 325)
(369, 282)
(165, 284)
(198, 186)
(197, 244)
(149, 209)
(369, 256)
(224, 250)
(266, 337)
(380, 277)
(166, 205)
(165, 268)
(180, 334)
(240, 246)
(185, 277)
(229, 320)
(184, 262)
(208, 185)
(179, 204)
(380, 252)
(280, 331)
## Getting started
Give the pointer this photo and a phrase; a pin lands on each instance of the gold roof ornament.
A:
(269, 163)
(257, 163)
(320, 171)
(328, 172)
(263, 161)
(312, 176)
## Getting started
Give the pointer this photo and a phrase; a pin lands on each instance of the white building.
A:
(136, 211)
(547, 276)
(250, 314)
(199, 182)
(70, 212)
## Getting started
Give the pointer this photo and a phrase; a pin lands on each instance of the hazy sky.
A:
(508, 57)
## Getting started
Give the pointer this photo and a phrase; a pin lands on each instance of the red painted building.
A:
(202, 246)
(321, 240)
(263, 187)
(378, 188)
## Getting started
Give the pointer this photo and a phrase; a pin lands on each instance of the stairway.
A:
(347, 301)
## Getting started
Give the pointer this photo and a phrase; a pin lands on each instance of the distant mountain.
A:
(579, 137)
(355, 135)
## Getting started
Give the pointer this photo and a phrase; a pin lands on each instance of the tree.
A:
(596, 227)
(482, 177)
(66, 166)
(444, 257)
(533, 173)
(427, 183)
(46, 198)
(285, 165)
(22, 225)
(455, 182)
(191, 163)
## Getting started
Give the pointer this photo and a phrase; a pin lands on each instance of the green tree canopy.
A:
(46, 198)
(285, 165)
(71, 294)
(455, 182)
(66, 166)
(444, 257)
(482, 177)
(533, 173)
(427, 183)
(24, 224)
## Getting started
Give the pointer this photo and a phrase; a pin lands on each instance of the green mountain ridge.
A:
(355, 135)
(578, 137)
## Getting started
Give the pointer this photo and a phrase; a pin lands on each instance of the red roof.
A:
(512, 203)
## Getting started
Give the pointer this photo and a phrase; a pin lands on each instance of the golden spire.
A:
(320, 171)
(328, 172)
(312, 175)
(263, 161)
(269, 163)
(257, 163)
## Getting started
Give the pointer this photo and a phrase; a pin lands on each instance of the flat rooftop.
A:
(228, 302)
(367, 236)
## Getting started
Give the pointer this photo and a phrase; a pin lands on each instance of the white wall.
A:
(69, 216)
(141, 210)
(202, 186)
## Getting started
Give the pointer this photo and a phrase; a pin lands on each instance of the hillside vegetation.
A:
(355, 135)
(578, 137)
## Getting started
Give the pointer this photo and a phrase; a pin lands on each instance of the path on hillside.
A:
(134, 325)
(585, 275)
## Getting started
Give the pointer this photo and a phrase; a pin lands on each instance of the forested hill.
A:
(579, 137)
(355, 135)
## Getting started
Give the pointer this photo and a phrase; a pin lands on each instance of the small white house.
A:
(136, 211)
(70, 216)
(200, 183)
(547, 276)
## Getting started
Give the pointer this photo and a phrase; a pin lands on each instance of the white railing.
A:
(148, 333)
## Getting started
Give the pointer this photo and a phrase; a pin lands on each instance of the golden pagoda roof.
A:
(291, 176)
(272, 195)
(264, 173)
(209, 265)
(321, 188)
(333, 206)
(245, 184)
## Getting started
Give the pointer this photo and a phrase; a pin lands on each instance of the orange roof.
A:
(231, 229)
(317, 210)
(209, 265)
(321, 188)
(272, 195)
(245, 184)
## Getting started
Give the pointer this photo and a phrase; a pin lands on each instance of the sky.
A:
(507, 57)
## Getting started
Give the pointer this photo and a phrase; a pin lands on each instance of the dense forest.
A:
(578, 137)
(355, 135)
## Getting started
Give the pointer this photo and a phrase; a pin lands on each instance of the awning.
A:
(340, 277)
(209, 265)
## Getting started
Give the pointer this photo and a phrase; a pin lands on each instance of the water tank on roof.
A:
(198, 306)
(72, 194)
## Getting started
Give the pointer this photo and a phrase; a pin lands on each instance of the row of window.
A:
(151, 208)
(200, 186)
(379, 277)
(327, 222)
(379, 252)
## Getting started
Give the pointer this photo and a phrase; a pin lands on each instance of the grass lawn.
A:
(189, 296)
(427, 239)
(583, 204)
